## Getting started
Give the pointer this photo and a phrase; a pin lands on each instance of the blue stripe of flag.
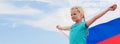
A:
(103, 31)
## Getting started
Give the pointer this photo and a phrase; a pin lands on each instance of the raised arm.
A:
(111, 8)
(66, 28)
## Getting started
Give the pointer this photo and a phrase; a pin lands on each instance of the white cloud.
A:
(47, 1)
(7, 8)
(51, 2)
(61, 16)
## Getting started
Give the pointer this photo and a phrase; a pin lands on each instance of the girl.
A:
(78, 31)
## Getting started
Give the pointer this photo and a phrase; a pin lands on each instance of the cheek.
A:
(73, 17)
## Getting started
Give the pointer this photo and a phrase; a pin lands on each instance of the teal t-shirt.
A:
(78, 33)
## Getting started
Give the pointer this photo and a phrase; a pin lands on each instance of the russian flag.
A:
(105, 33)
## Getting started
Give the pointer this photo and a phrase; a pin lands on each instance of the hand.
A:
(59, 27)
(113, 7)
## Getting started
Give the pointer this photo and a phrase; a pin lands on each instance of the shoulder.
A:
(84, 24)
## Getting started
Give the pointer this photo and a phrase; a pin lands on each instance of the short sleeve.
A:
(84, 25)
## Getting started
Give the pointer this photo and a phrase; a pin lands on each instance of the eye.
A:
(74, 14)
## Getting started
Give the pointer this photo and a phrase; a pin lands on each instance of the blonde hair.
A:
(80, 9)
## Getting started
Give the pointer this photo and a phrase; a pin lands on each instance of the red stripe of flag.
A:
(112, 40)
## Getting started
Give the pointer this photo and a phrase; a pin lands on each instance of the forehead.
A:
(74, 10)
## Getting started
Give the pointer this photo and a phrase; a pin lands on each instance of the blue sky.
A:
(34, 21)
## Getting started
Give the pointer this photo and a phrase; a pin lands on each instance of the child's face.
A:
(76, 15)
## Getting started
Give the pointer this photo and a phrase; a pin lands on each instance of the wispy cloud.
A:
(8, 8)
(50, 22)
(62, 15)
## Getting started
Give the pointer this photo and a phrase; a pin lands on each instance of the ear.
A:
(82, 16)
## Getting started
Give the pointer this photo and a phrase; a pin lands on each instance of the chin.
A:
(74, 20)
